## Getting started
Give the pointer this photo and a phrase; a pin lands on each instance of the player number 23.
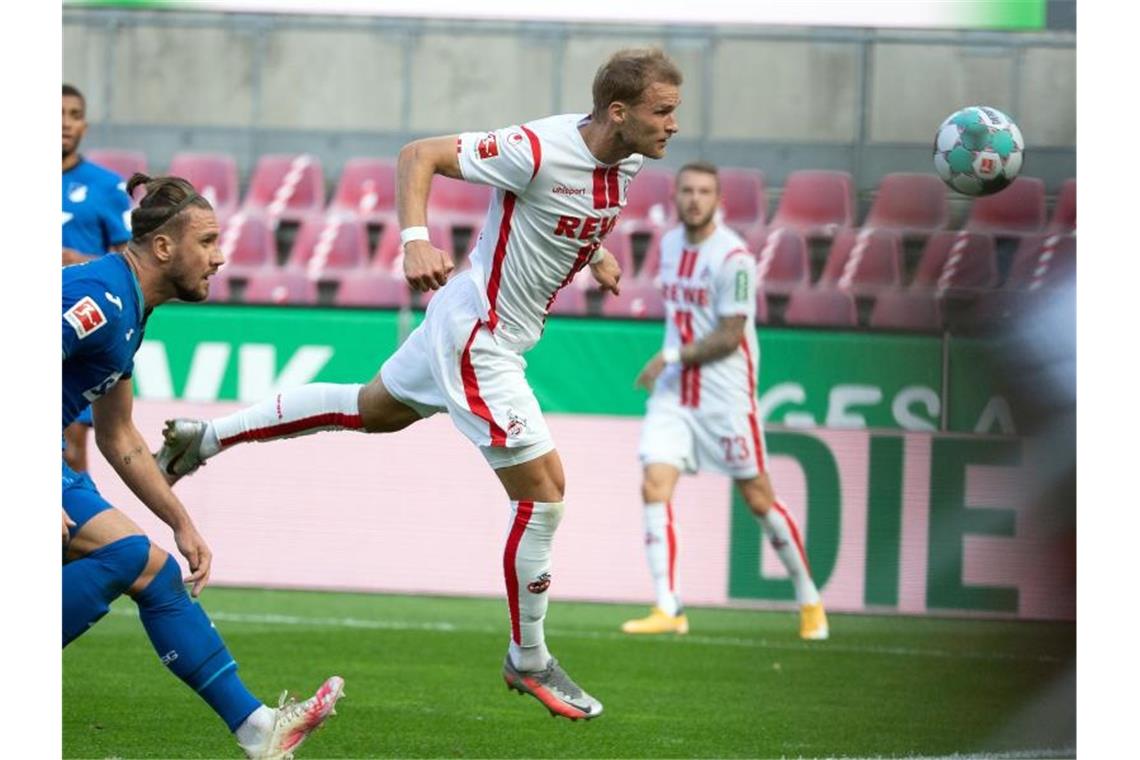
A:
(735, 448)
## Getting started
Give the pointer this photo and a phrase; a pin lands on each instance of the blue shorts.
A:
(81, 500)
(84, 417)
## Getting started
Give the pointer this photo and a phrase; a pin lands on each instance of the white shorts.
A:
(452, 363)
(691, 440)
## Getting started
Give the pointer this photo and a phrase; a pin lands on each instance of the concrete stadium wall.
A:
(865, 101)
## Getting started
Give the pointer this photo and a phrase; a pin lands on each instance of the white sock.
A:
(253, 728)
(784, 536)
(661, 551)
(526, 568)
(288, 414)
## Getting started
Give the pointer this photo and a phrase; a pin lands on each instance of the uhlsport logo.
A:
(560, 189)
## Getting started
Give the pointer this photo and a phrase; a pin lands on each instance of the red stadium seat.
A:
(1017, 210)
(389, 255)
(821, 308)
(957, 260)
(742, 198)
(213, 175)
(863, 262)
(649, 199)
(1065, 213)
(367, 188)
(329, 242)
(287, 187)
(121, 162)
(280, 287)
(912, 204)
(1043, 261)
(906, 310)
(458, 202)
(782, 262)
(641, 300)
(638, 251)
(247, 242)
(372, 288)
(816, 203)
(571, 300)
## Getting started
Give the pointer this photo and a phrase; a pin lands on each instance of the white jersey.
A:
(701, 284)
(553, 204)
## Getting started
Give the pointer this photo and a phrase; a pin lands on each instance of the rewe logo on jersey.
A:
(85, 316)
(488, 147)
(76, 193)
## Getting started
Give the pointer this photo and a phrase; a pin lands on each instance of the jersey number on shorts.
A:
(735, 448)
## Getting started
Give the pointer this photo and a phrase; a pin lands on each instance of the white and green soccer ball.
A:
(978, 151)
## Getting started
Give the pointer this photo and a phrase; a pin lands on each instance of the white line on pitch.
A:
(444, 627)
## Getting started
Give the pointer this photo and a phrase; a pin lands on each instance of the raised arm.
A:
(123, 446)
(425, 266)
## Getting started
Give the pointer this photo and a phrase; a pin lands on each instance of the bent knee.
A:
(156, 559)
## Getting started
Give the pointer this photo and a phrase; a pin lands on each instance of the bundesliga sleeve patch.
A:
(85, 316)
(488, 147)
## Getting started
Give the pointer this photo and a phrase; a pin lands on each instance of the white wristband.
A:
(409, 234)
(598, 255)
(671, 355)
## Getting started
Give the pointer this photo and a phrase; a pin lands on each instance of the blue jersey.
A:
(96, 209)
(103, 321)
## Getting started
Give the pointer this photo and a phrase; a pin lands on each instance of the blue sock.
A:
(92, 582)
(191, 648)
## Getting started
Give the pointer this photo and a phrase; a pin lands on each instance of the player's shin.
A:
(661, 552)
(288, 414)
(526, 566)
(784, 536)
(189, 645)
(93, 581)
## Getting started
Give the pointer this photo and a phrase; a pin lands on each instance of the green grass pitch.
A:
(422, 680)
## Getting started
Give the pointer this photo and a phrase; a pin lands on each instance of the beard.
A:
(699, 222)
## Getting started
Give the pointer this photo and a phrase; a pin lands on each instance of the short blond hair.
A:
(628, 74)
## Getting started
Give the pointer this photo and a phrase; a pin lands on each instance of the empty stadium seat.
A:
(458, 202)
(121, 162)
(912, 204)
(743, 200)
(373, 288)
(821, 308)
(906, 310)
(816, 203)
(863, 262)
(638, 251)
(280, 287)
(367, 188)
(329, 241)
(641, 300)
(571, 300)
(287, 187)
(649, 199)
(246, 241)
(957, 260)
(781, 262)
(1043, 261)
(1065, 212)
(389, 255)
(213, 175)
(1017, 210)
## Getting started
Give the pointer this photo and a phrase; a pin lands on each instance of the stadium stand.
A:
(821, 307)
(213, 175)
(1017, 210)
(571, 300)
(649, 201)
(637, 299)
(1043, 261)
(121, 162)
(374, 289)
(781, 261)
(816, 203)
(957, 260)
(744, 202)
(329, 241)
(247, 243)
(1064, 218)
(280, 287)
(863, 262)
(911, 204)
(367, 188)
(286, 187)
(906, 310)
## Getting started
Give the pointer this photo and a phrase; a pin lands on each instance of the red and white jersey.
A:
(553, 204)
(701, 284)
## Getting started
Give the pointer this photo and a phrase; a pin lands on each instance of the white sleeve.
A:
(734, 288)
(506, 158)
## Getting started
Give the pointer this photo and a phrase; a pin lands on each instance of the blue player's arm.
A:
(123, 446)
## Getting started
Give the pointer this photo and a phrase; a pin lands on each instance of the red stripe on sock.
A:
(471, 387)
(328, 419)
(671, 540)
(522, 518)
(795, 531)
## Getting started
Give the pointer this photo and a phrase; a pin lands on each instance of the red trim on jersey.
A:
(795, 531)
(613, 195)
(671, 540)
(458, 146)
(737, 252)
(535, 149)
(522, 517)
(500, 253)
(328, 419)
(690, 374)
(471, 387)
(584, 255)
(757, 443)
(600, 187)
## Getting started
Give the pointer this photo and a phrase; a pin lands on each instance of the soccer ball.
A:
(978, 151)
